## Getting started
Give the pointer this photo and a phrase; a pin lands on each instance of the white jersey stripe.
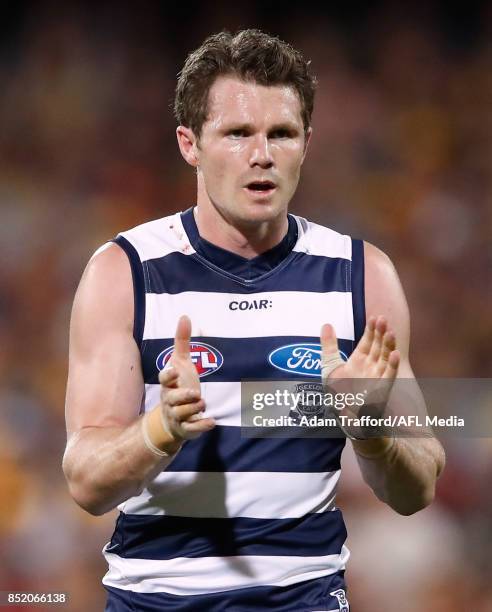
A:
(228, 494)
(148, 238)
(315, 239)
(194, 576)
(301, 313)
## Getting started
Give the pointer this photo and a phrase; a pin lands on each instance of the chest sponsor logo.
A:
(206, 358)
(303, 359)
(250, 304)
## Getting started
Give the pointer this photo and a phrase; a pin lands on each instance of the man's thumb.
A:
(330, 355)
(182, 337)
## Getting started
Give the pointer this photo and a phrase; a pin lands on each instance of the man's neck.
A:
(248, 241)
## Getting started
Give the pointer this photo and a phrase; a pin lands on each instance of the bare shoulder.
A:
(111, 256)
(108, 270)
(377, 263)
(384, 294)
(105, 291)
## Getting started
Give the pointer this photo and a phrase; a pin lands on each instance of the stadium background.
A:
(401, 156)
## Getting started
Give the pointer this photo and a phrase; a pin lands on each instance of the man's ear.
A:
(307, 138)
(188, 145)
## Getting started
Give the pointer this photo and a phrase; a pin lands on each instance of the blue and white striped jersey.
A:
(230, 514)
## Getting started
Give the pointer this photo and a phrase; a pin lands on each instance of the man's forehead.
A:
(232, 99)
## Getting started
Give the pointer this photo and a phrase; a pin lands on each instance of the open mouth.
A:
(261, 187)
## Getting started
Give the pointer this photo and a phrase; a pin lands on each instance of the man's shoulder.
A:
(380, 271)
(156, 238)
(316, 239)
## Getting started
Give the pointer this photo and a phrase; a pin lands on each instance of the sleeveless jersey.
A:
(231, 514)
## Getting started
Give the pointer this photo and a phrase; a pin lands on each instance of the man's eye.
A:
(237, 133)
(280, 134)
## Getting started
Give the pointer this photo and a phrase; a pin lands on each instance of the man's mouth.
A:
(261, 187)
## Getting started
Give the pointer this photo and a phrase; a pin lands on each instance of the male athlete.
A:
(173, 314)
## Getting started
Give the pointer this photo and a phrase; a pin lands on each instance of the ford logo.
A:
(303, 359)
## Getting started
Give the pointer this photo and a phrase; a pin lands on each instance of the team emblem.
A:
(206, 358)
(343, 604)
(312, 404)
(302, 358)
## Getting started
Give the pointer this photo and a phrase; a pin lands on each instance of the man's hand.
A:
(374, 357)
(374, 362)
(181, 401)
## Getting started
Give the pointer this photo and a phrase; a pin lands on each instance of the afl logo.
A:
(303, 359)
(206, 358)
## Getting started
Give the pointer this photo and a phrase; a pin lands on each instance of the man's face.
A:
(251, 149)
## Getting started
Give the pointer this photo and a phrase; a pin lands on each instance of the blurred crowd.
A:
(401, 156)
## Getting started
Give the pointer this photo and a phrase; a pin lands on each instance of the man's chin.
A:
(258, 212)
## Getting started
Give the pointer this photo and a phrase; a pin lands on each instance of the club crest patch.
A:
(207, 359)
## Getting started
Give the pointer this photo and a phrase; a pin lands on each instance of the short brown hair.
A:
(251, 55)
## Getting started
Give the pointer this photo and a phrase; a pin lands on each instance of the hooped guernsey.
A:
(237, 523)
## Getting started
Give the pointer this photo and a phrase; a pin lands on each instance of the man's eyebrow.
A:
(284, 125)
(281, 125)
(237, 125)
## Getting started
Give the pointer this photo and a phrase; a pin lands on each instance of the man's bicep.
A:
(105, 382)
(385, 296)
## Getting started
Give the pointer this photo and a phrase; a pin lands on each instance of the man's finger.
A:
(329, 342)
(330, 356)
(389, 344)
(365, 342)
(176, 397)
(377, 341)
(168, 377)
(182, 337)
(198, 426)
(392, 367)
(185, 411)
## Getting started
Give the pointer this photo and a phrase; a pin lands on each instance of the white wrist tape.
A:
(148, 442)
(330, 363)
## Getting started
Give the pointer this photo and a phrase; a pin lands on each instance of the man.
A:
(210, 520)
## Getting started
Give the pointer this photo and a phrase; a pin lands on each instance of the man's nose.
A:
(261, 154)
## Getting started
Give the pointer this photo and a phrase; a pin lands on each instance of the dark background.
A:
(401, 156)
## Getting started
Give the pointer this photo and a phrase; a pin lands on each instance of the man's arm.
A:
(107, 458)
(403, 475)
(401, 471)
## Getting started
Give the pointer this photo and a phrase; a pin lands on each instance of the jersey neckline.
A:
(231, 263)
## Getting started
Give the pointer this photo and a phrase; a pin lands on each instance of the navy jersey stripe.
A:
(138, 287)
(167, 537)
(300, 597)
(358, 295)
(244, 358)
(177, 272)
(223, 449)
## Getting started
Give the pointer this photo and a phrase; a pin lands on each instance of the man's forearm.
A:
(403, 472)
(104, 466)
